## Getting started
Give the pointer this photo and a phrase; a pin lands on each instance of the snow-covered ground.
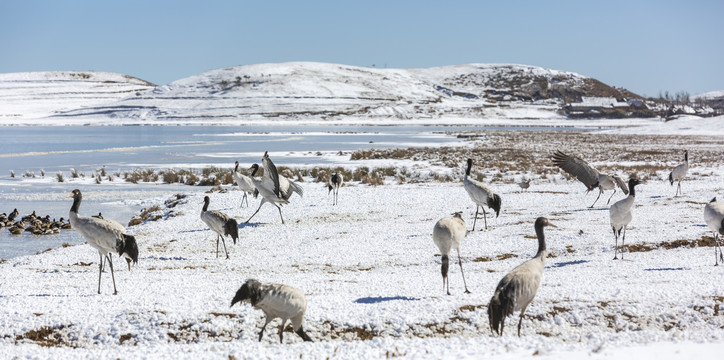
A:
(370, 271)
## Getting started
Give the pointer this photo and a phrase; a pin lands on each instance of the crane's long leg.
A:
(460, 262)
(716, 246)
(266, 321)
(110, 263)
(257, 210)
(100, 270)
(520, 322)
(623, 241)
(475, 219)
(280, 212)
(244, 198)
(609, 199)
(678, 189)
(217, 247)
(281, 331)
(303, 335)
(615, 248)
(485, 217)
(599, 195)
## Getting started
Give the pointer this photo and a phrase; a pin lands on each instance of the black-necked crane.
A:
(104, 235)
(621, 215)
(481, 195)
(679, 173)
(714, 217)
(448, 234)
(335, 182)
(276, 301)
(589, 176)
(219, 223)
(273, 188)
(243, 182)
(516, 290)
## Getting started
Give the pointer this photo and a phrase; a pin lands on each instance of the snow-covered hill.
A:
(300, 91)
(34, 95)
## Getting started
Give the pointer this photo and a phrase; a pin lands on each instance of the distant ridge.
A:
(303, 91)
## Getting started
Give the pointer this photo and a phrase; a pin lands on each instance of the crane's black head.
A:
(236, 165)
(494, 203)
(542, 222)
(206, 203)
(470, 165)
(250, 291)
(77, 197)
(254, 168)
(129, 250)
(591, 187)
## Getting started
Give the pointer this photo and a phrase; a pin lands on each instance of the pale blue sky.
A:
(644, 46)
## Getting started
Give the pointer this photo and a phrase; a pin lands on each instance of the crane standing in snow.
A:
(589, 176)
(621, 215)
(679, 173)
(276, 301)
(448, 234)
(714, 217)
(481, 195)
(243, 182)
(104, 235)
(516, 290)
(335, 182)
(219, 223)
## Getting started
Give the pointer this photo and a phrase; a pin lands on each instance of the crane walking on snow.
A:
(516, 290)
(448, 234)
(243, 182)
(104, 235)
(679, 173)
(335, 182)
(276, 301)
(221, 224)
(621, 215)
(714, 217)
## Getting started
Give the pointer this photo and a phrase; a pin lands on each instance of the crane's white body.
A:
(714, 218)
(448, 234)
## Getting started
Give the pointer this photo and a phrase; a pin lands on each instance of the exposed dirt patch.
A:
(705, 241)
(47, 336)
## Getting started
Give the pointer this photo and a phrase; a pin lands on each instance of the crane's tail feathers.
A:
(671, 178)
(296, 188)
(501, 305)
(721, 228)
(329, 187)
(494, 203)
(256, 193)
(232, 228)
(129, 248)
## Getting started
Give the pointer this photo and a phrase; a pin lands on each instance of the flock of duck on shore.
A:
(514, 292)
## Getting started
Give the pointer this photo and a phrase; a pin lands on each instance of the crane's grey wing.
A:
(270, 172)
(576, 167)
(621, 183)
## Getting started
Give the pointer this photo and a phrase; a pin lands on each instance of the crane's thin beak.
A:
(550, 224)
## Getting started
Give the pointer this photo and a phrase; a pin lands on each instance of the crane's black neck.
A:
(470, 165)
(686, 156)
(206, 204)
(256, 168)
(236, 167)
(632, 187)
(541, 239)
(77, 197)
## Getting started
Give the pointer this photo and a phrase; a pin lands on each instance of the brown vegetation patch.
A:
(229, 315)
(337, 332)
(125, 337)
(83, 264)
(46, 336)
(704, 241)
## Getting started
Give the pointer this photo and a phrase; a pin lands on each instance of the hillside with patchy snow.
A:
(300, 91)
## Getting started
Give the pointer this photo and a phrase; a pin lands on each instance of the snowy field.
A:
(371, 275)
